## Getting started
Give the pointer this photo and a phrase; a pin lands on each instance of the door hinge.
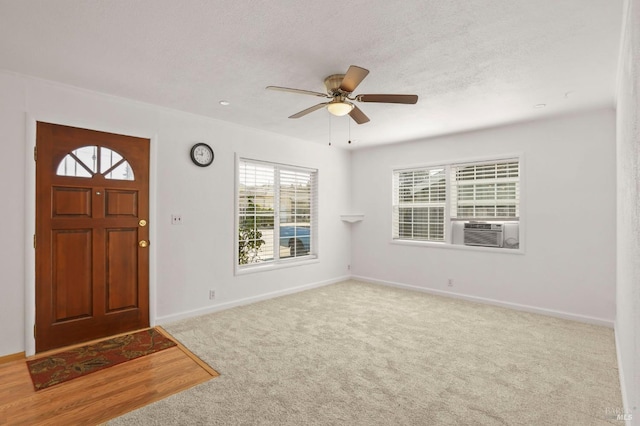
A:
(34, 240)
(35, 153)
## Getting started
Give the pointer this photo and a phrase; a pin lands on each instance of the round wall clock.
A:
(201, 154)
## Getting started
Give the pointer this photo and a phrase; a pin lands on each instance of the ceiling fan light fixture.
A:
(340, 108)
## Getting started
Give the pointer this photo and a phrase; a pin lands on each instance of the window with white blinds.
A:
(276, 213)
(430, 203)
(485, 191)
(419, 201)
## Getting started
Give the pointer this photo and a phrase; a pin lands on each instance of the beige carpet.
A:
(363, 354)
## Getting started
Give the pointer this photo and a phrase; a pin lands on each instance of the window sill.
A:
(432, 244)
(270, 266)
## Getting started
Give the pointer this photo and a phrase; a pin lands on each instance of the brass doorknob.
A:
(143, 243)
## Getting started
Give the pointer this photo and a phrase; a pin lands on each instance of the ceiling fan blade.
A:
(308, 110)
(352, 78)
(390, 99)
(299, 91)
(358, 116)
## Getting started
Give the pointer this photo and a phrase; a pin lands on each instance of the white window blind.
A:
(485, 191)
(419, 201)
(277, 212)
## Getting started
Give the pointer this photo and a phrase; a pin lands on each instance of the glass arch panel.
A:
(81, 162)
(85, 161)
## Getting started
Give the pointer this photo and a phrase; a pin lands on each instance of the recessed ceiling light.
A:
(540, 105)
(225, 103)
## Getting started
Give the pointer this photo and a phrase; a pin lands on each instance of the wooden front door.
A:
(92, 214)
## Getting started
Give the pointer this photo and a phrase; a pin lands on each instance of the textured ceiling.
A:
(473, 63)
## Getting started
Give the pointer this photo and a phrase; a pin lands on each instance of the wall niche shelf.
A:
(351, 218)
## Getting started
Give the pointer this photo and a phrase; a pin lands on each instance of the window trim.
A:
(288, 262)
(448, 224)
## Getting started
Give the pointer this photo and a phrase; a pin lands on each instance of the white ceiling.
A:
(473, 63)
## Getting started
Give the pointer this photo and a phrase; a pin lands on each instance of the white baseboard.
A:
(516, 306)
(526, 308)
(246, 301)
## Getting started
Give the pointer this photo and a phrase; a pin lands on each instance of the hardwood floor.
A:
(100, 396)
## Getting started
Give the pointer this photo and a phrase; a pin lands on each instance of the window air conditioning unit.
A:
(483, 234)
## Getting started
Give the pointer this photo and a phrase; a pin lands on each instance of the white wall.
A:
(568, 191)
(628, 215)
(12, 222)
(186, 260)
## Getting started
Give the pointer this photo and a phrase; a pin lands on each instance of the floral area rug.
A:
(63, 366)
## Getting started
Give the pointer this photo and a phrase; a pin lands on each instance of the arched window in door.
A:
(87, 161)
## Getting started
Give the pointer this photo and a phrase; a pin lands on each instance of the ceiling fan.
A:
(339, 90)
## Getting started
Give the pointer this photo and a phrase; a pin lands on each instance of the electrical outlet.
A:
(212, 294)
(176, 219)
(348, 267)
(450, 282)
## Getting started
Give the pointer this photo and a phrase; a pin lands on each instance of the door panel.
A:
(122, 287)
(121, 203)
(92, 207)
(71, 202)
(72, 275)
